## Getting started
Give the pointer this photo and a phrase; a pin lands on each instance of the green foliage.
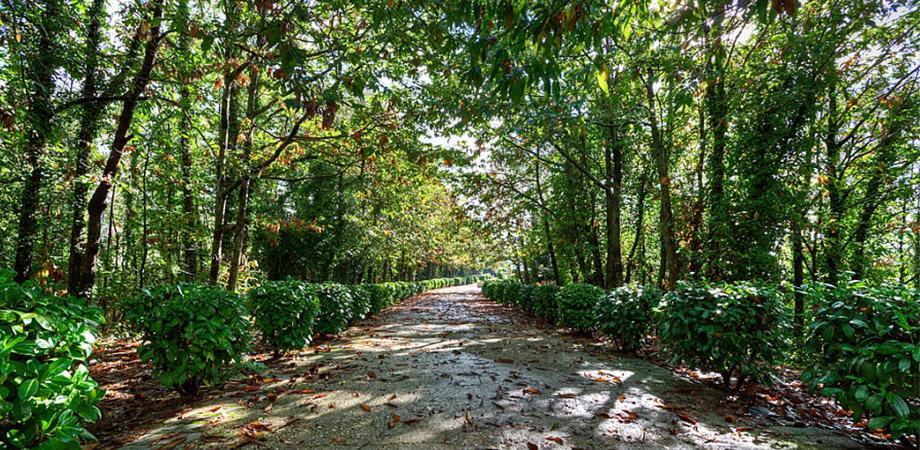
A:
(46, 393)
(361, 297)
(504, 291)
(626, 315)
(866, 341)
(736, 330)
(336, 308)
(285, 313)
(381, 296)
(191, 333)
(524, 298)
(575, 305)
(544, 303)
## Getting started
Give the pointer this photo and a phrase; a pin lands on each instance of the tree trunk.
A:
(613, 169)
(546, 231)
(640, 226)
(718, 223)
(669, 273)
(798, 275)
(37, 130)
(833, 243)
(89, 122)
(189, 215)
(598, 264)
(246, 182)
(97, 202)
(228, 131)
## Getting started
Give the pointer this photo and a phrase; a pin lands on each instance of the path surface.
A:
(450, 370)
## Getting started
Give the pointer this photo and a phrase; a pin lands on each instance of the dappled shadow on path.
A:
(449, 369)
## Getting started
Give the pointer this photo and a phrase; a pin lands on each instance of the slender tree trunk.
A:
(669, 273)
(242, 211)
(97, 203)
(598, 264)
(38, 129)
(228, 131)
(145, 244)
(89, 122)
(718, 223)
(640, 226)
(189, 215)
(613, 169)
(546, 230)
(833, 251)
(798, 275)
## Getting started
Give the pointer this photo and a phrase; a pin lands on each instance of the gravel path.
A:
(451, 370)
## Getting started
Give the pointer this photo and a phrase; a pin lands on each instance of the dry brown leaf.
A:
(555, 439)
(532, 390)
(365, 407)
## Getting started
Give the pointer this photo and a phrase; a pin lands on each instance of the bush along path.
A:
(195, 336)
(449, 369)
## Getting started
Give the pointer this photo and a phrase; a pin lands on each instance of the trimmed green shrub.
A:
(524, 299)
(506, 292)
(381, 296)
(543, 299)
(626, 315)
(575, 305)
(736, 330)
(46, 393)
(335, 305)
(191, 333)
(361, 299)
(285, 313)
(866, 343)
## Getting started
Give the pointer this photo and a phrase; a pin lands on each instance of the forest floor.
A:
(451, 370)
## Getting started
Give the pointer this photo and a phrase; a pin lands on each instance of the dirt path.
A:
(450, 370)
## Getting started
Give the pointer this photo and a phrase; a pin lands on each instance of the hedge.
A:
(736, 330)
(626, 315)
(46, 393)
(190, 333)
(866, 343)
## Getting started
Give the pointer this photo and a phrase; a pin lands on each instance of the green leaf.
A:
(602, 74)
(897, 404)
(28, 388)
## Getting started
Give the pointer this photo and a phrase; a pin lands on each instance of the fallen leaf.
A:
(338, 440)
(365, 407)
(555, 439)
(251, 388)
(532, 446)
(532, 390)
(505, 360)
(686, 417)
(304, 391)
